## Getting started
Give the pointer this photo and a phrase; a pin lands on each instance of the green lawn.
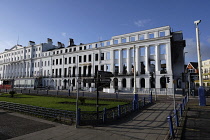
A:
(53, 102)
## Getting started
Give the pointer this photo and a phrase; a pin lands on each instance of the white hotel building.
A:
(159, 54)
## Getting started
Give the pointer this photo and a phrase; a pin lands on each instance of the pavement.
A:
(197, 123)
(148, 124)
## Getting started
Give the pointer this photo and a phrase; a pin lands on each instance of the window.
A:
(163, 67)
(162, 33)
(162, 49)
(48, 63)
(108, 67)
(60, 61)
(84, 58)
(123, 40)
(74, 59)
(108, 56)
(132, 52)
(132, 38)
(115, 41)
(56, 61)
(80, 59)
(96, 57)
(84, 47)
(124, 53)
(74, 49)
(151, 35)
(66, 50)
(69, 60)
(65, 60)
(80, 48)
(89, 59)
(102, 44)
(102, 56)
(53, 62)
(61, 51)
(152, 50)
(90, 46)
(116, 54)
(96, 45)
(142, 51)
(141, 37)
(107, 43)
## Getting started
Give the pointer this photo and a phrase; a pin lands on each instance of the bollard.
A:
(151, 97)
(171, 129)
(78, 116)
(69, 92)
(176, 117)
(21, 91)
(180, 110)
(134, 105)
(116, 95)
(119, 110)
(104, 116)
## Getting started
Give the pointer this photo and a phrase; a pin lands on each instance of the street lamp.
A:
(201, 90)
(134, 78)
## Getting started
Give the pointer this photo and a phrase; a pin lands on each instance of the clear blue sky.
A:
(88, 21)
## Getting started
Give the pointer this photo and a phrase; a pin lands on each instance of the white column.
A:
(92, 63)
(147, 53)
(112, 61)
(168, 59)
(157, 59)
(120, 61)
(128, 61)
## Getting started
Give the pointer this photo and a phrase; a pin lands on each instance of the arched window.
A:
(124, 83)
(115, 83)
(142, 82)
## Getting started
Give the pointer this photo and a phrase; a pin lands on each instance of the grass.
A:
(54, 102)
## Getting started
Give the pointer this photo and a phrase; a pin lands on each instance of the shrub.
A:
(82, 100)
(12, 93)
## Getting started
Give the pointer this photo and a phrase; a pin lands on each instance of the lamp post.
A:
(201, 90)
(134, 77)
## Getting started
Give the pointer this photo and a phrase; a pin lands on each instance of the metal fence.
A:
(175, 119)
(109, 115)
(63, 116)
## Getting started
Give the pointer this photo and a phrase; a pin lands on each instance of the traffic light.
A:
(168, 80)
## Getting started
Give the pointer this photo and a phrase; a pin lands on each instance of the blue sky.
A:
(89, 21)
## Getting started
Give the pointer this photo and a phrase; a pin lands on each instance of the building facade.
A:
(158, 58)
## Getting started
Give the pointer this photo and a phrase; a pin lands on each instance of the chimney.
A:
(59, 44)
(30, 43)
(49, 41)
(71, 42)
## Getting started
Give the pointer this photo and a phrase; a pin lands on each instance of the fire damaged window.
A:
(163, 67)
(102, 56)
(163, 49)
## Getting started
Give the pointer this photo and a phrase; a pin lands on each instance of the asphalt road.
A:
(12, 125)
